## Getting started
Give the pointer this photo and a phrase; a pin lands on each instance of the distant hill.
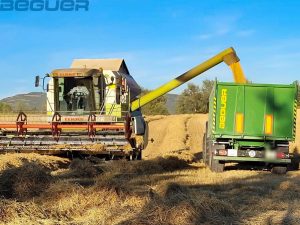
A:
(36, 101)
(33, 101)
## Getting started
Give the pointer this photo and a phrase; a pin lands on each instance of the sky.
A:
(159, 40)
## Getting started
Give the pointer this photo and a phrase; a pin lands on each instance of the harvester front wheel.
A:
(137, 155)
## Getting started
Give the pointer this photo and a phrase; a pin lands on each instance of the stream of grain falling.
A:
(238, 74)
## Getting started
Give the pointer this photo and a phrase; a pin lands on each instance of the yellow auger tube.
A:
(228, 56)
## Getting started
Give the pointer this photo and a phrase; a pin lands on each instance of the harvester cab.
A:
(93, 108)
(91, 87)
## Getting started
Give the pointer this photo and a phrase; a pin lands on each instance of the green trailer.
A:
(250, 123)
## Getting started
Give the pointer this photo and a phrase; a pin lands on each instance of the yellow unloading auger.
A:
(228, 56)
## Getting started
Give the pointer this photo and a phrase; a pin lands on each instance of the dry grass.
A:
(82, 168)
(159, 191)
(17, 160)
(24, 182)
(169, 188)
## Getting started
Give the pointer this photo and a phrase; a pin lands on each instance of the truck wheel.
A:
(216, 166)
(204, 149)
(279, 170)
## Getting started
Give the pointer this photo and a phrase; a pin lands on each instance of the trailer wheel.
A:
(279, 170)
(204, 149)
(216, 166)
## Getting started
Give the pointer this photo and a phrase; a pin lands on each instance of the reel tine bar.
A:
(56, 120)
(21, 121)
(91, 128)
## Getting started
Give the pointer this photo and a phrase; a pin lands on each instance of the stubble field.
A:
(170, 186)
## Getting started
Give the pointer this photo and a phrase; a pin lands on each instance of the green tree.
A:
(156, 107)
(5, 108)
(206, 89)
(194, 99)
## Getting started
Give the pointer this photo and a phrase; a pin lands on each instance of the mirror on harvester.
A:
(37, 81)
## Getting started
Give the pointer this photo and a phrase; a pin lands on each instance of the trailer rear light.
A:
(239, 123)
(280, 155)
(222, 152)
(269, 124)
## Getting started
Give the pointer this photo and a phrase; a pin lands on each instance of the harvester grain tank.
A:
(250, 123)
(93, 108)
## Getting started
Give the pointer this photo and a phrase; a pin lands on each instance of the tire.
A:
(294, 164)
(204, 149)
(216, 166)
(139, 155)
(146, 135)
(279, 170)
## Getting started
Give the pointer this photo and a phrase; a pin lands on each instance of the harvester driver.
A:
(78, 97)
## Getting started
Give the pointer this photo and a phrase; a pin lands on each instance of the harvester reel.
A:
(128, 129)
(91, 128)
(56, 120)
(21, 121)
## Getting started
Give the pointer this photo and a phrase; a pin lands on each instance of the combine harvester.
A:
(93, 108)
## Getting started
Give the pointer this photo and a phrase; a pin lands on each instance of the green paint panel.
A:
(243, 111)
